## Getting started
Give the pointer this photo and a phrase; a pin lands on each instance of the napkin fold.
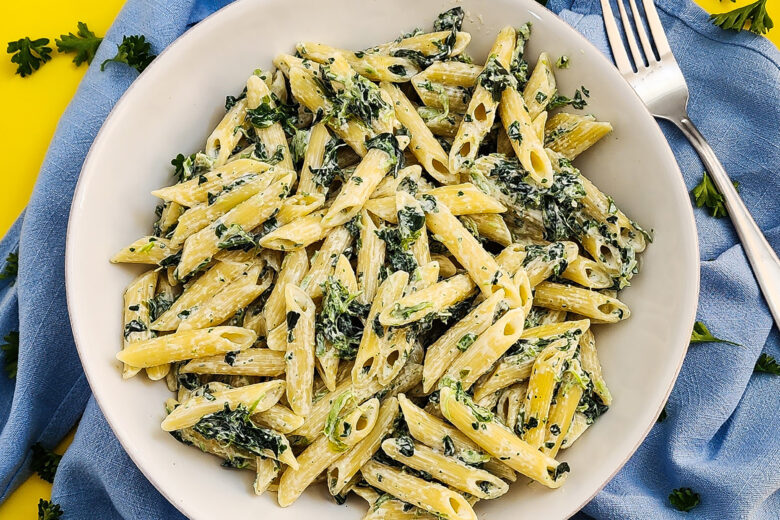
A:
(720, 437)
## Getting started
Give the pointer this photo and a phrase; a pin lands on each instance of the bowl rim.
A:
(194, 32)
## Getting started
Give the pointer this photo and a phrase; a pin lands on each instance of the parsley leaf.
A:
(11, 267)
(767, 364)
(49, 510)
(44, 462)
(134, 51)
(11, 349)
(84, 44)
(701, 334)
(29, 54)
(684, 499)
(706, 194)
(736, 19)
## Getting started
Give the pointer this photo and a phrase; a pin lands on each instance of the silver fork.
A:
(660, 84)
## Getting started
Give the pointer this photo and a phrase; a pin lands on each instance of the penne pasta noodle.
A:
(187, 344)
(258, 362)
(299, 358)
(434, 498)
(258, 397)
(500, 441)
(591, 304)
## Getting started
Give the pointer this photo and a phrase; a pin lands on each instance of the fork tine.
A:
(640, 29)
(656, 29)
(639, 61)
(615, 41)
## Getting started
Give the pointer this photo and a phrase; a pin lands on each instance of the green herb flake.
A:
(684, 499)
(767, 364)
(466, 341)
(563, 62)
(701, 334)
(401, 312)
(513, 132)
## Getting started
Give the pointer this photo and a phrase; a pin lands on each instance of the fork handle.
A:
(763, 259)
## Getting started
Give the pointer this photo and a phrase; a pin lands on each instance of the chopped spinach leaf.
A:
(449, 20)
(558, 101)
(449, 446)
(324, 175)
(235, 237)
(292, 320)
(495, 78)
(340, 323)
(134, 326)
(235, 428)
(388, 144)
(344, 403)
(271, 110)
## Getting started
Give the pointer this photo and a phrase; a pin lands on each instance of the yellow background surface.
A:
(32, 106)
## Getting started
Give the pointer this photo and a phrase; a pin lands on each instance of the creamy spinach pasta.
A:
(381, 272)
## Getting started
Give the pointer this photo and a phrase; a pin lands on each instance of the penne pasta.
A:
(187, 344)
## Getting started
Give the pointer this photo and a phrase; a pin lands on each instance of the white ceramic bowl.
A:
(172, 107)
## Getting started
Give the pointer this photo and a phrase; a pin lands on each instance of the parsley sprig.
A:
(11, 353)
(755, 13)
(767, 364)
(11, 267)
(701, 334)
(706, 194)
(44, 462)
(29, 54)
(684, 499)
(84, 44)
(134, 51)
(49, 510)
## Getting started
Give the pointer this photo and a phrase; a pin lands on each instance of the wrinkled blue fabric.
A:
(721, 435)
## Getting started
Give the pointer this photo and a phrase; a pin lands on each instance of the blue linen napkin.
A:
(720, 437)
